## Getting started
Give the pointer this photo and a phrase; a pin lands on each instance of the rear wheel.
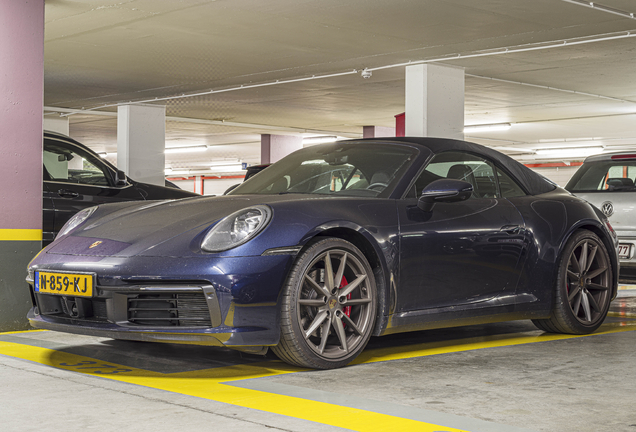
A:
(583, 287)
(328, 306)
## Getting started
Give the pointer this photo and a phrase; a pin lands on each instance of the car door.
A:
(462, 252)
(75, 178)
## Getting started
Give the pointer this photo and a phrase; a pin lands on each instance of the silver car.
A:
(607, 181)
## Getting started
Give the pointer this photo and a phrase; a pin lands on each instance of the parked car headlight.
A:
(76, 220)
(237, 228)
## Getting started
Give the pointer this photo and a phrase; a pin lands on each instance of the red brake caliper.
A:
(347, 309)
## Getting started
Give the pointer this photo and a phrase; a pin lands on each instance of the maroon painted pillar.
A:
(399, 124)
(21, 102)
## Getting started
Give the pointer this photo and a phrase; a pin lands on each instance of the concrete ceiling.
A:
(568, 77)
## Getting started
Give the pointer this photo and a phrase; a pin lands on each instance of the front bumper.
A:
(222, 301)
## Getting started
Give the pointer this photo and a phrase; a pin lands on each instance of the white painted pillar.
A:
(276, 147)
(198, 184)
(141, 142)
(434, 101)
(377, 132)
(55, 123)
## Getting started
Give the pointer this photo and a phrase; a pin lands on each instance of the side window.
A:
(508, 187)
(69, 164)
(461, 166)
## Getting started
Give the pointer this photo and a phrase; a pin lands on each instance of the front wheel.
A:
(328, 306)
(583, 287)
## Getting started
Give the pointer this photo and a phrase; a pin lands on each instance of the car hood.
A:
(159, 228)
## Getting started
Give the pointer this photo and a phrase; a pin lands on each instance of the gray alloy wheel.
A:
(584, 283)
(328, 307)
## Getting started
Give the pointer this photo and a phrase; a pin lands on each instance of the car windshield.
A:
(604, 176)
(349, 169)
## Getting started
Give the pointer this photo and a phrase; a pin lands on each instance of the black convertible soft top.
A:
(532, 182)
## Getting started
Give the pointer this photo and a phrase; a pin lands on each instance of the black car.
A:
(251, 172)
(330, 245)
(76, 178)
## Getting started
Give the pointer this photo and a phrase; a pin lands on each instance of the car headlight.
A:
(237, 228)
(76, 220)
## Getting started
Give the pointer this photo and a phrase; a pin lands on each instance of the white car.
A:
(607, 181)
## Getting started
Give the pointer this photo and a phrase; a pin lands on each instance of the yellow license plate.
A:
(69, 284)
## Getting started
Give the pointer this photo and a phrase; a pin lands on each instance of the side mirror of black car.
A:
(444, 190)
(120, 178)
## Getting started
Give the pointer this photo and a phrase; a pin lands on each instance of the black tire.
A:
(583, 287)
(325, 325)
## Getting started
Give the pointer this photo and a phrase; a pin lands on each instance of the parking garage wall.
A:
(559, 175)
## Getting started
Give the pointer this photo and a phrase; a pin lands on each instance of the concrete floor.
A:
(501, 377)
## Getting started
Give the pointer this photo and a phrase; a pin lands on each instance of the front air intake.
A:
(167, 310)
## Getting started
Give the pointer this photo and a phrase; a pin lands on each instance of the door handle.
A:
(511, 229)
(67, 193)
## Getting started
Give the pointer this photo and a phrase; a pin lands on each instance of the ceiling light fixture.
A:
(563, 145)
(214, 164)
(568, 153)
(186, 149)
(227, 168)
(102, 154)
(487, 127)
(180, 173)
(513, 149)
(319, 140)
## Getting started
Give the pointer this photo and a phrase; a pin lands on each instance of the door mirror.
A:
(444, 190)
(120, 178)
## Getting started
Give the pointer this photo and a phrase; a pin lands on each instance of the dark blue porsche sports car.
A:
(331, 245)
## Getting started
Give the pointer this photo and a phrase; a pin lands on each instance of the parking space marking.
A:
(469, 344)
(229, 384)
(210, 384)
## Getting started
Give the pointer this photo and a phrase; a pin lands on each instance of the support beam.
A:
(276, 147)
(141, 142)
(21, 101)
(434, 100)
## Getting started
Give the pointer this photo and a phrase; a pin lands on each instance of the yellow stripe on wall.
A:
(20, 235)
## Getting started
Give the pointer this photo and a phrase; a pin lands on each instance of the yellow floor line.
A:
(469, 344)
(209, 383)
(624, 315)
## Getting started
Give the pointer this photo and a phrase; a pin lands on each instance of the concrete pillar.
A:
(141, 142)
(198, 184)
(55, 123)
(276, 147)
(377, 132)
(21, 102)
(434, 101)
